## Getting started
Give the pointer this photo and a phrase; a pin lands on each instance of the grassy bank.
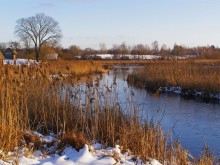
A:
(199, 75)
(31, 101)
(73, 67)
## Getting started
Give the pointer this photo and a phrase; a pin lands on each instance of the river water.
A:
(192, 122)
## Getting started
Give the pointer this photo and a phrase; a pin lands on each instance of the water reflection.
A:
(189, 120)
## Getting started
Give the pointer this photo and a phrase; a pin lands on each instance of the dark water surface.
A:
(189, 120)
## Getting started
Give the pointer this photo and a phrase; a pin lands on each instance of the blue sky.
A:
(87, 23)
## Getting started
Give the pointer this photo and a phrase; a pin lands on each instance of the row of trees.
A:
(121, 49)
(141, 49)
(40, 35)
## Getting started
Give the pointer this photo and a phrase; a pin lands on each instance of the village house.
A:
(51, 56)
(10, 53)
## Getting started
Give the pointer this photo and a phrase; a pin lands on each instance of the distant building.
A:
(51, 56)
(10, 53)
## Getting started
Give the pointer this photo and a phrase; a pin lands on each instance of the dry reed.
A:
(189, 75)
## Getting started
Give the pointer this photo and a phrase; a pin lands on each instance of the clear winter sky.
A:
(87, 23)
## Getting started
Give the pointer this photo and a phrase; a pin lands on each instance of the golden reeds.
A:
(196, 75)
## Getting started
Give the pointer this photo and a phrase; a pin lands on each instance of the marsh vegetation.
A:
(192, 76)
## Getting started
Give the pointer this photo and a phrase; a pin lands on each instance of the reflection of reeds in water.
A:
(29, 100)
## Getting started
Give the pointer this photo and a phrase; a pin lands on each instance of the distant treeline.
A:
(27, 51)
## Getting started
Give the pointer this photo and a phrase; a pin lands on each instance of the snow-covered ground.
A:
(94, 154)
(136, 57)
(127, 56)
(19, 61)
(190, 93)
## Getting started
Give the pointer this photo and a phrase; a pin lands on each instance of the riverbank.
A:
(53, 153)
(194, 94)
(192, 78)
(56, 68)
(73, 67)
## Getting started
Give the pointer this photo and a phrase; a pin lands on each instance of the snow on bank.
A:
(191, 93)
(19, 62)
(72, 157)
(90, 155)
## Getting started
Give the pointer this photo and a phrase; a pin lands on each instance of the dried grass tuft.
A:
(75, 140)
(32, 140)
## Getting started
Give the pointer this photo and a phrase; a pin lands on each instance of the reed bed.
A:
(31, 101)
(199, 75)
(73, 67)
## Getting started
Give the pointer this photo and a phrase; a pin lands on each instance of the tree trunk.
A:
(37, 54)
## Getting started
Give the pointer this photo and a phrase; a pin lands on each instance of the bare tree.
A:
(3, 46)
(27, 45)
(40, 29)
(103, 49)
(124, 49)
(88, 51)
(139, 50)
(178, 50)
(14, 44)
(164, 50)
(155, 47)
(75, 50)
(115, 50)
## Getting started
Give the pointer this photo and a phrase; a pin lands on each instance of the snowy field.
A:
(94, 154)
(136, 57)
(126, 56)
(19, 62)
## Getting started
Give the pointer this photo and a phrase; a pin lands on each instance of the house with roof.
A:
(10, 53)
(53, 56)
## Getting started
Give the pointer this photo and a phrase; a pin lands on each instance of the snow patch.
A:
(20, 62)
(70, 156)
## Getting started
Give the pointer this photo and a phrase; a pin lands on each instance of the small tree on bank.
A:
(40, 29)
